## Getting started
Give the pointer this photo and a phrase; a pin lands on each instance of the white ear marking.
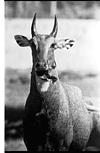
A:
(64, 43)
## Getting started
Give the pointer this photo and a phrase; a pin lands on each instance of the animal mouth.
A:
(44, 75)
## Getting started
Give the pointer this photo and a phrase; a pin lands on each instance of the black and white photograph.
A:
(52, 76)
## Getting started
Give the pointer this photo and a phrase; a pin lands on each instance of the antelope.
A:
(56, 115)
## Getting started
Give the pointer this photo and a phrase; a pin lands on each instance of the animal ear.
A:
(22, 40)
(64, 43)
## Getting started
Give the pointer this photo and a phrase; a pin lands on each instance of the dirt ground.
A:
(16, 91)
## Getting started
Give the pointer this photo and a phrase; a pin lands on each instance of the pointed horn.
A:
(33, 27)
(55, 28)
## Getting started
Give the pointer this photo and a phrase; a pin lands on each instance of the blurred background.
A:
(77, 20)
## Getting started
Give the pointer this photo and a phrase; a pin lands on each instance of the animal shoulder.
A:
(72, 91)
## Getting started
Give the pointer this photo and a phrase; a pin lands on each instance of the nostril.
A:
(40, 72)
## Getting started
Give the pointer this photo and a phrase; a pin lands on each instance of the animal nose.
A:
(41, 65)
(41, 68)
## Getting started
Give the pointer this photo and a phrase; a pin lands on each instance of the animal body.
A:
(55, 117)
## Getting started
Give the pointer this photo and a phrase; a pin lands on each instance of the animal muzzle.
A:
(43, 71)
(41, 68)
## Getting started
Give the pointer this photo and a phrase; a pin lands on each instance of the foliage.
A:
(46, 9)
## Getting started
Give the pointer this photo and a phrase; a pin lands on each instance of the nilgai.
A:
(56, 115)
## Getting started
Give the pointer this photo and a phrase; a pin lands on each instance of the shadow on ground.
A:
(13, 122)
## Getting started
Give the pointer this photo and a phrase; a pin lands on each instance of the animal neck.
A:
(33, 85)
(55, 99)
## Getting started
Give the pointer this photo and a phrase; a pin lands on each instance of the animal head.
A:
(43, 47)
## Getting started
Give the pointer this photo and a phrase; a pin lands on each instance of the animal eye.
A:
(52, 45)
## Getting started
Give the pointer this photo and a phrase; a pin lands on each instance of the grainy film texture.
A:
(80, 66)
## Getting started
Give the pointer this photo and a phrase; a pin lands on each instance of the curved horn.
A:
(55, 28)
(33, 27)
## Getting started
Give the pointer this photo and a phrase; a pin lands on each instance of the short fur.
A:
(56, 115)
